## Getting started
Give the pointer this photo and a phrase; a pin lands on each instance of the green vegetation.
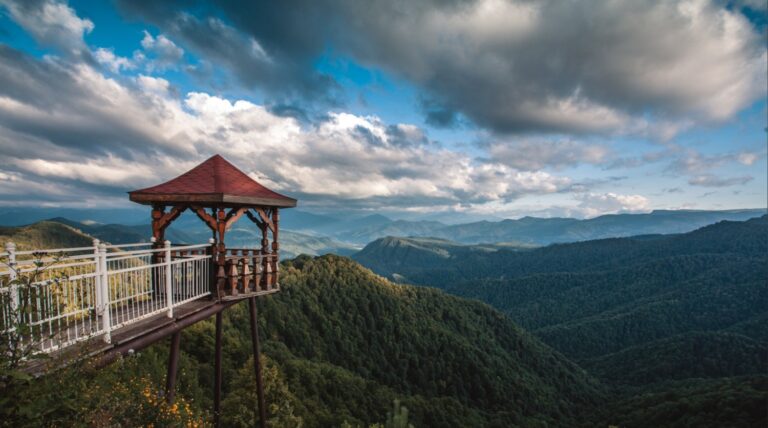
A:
(710, 403)
(687, 356)
(638, 313)
(341, 345)
(45, 234)
(674, 327)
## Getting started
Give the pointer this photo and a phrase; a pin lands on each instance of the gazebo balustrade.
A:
(249, 270)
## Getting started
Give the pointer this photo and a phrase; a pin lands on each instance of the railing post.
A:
(212, 267)
(104, 286)
(168, 279)
(99, 301)
(10, 248)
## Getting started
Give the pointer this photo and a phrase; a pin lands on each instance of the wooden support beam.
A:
(208, 219)
(257, 362)
(255, 219)
(217, 375)
(234, 215)
(173, 368)
(265, 218)
(161, 220)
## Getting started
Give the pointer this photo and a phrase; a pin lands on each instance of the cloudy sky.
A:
(487, 108)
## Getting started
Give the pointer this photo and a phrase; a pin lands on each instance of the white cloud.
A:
(534, 154)
(129, 133)
(711, 180)
(102, 171)
(155, 85)
(519, 66)
(113, 62)
(693, 162)
(51, 23)
(166, 53)
(747, 158)
(593, 204)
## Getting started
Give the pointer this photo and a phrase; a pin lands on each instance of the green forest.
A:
(634, 332)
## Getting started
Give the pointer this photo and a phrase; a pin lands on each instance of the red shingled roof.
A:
(215, 181)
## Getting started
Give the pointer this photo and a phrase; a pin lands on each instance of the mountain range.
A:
(320, 233)
(536, 231)
(655, 330)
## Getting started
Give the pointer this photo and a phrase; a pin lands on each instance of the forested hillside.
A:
(341, 344)
(453, 361)
(646, 314)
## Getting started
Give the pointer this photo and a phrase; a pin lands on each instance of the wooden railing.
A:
(249, 271)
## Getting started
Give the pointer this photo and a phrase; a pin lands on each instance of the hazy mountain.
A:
(551, 230)
(122, 234)
(44, 234)
(20, 216)
(530, 230)
(301, 220)
(292, 243)
(359, 231)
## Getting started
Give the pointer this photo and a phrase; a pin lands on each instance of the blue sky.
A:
(483, 108)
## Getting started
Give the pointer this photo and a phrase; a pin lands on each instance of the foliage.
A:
(20, 339)
(637, 312)
(44, 234)
(710, 403)
(239, 405)
(341, 345)
(686, 356)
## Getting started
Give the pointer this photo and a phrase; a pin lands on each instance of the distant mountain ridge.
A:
(359, 231)
(532, 230)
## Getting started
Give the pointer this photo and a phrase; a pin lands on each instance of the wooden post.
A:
(256, 270)
(275, 247)
(173, 364)
(257, 362)
(267, 277)
(217, 375)
(158, 236)
(221, 276)
(245, 270)
(232, 266)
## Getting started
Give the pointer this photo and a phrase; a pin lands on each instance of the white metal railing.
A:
(72, 294)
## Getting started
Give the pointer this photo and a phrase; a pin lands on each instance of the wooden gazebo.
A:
(220, 194)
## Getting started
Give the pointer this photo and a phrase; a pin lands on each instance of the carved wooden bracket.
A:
(161, 220)
(265, 218)
(208, 219)
(234, 215)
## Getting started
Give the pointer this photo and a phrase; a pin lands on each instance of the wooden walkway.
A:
(137, 335)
